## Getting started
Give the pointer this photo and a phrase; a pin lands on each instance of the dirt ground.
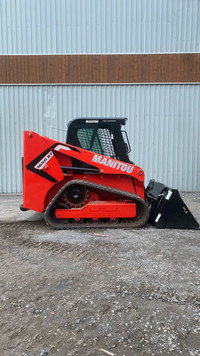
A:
(99, 292)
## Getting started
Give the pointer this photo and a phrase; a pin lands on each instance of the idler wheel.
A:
(53, 215)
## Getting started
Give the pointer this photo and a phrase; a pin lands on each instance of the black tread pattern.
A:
(78, 252)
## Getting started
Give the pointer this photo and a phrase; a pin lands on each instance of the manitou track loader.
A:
(89, 181)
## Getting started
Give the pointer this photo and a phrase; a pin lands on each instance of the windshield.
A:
(98, 140)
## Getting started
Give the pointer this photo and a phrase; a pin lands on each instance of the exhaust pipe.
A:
(167, 209)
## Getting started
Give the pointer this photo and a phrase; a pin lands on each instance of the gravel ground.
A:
(98, 292)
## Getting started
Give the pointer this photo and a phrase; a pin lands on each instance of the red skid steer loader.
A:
(89, 181)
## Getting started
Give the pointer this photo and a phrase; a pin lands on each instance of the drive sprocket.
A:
(75, 196)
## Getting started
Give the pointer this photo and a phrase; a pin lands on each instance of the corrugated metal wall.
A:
(99, 26)
(163, 119)
(163, 125)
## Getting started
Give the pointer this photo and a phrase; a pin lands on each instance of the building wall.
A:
(163, 118)
(163, 125)
(99, 26)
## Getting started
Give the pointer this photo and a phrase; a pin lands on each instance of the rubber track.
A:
(137, 222)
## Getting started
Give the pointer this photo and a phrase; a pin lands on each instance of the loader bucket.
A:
(167, 209)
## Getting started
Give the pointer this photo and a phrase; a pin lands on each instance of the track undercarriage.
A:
(82, 204)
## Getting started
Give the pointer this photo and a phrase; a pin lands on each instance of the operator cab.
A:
(100, 135)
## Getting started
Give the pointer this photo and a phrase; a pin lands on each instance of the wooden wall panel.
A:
(124, 68)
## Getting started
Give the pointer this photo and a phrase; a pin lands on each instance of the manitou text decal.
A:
(44, 160)
(113, 163)
(92, 121)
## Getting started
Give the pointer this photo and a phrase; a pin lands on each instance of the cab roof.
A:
(96, 120)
